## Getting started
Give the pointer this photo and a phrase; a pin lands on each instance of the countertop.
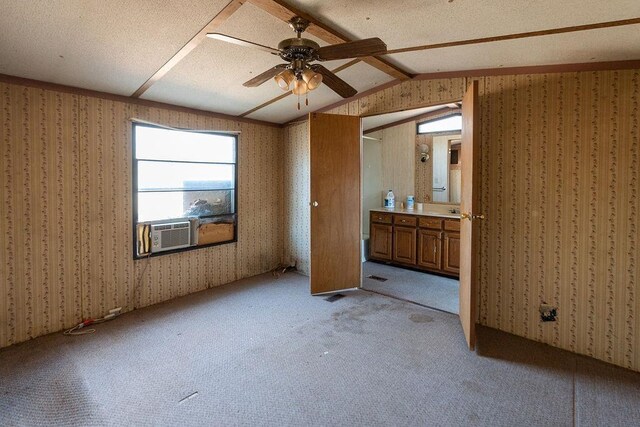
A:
(417, 212)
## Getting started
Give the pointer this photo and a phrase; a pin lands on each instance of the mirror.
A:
(446, 173)
(397, 157)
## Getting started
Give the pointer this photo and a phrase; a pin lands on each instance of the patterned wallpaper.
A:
(65, 212)
(560, 188)
(297, 196)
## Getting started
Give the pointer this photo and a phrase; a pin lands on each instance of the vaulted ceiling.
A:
(116, 46)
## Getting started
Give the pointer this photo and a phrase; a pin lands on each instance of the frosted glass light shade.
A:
(284, 79)
(311, 78)
(300, 87)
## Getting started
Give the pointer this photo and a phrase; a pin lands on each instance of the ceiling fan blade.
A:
(261, 78)
(240, 42)
(334, 82)
(356, 49)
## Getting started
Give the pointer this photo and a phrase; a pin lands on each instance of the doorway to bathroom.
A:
(412, 251)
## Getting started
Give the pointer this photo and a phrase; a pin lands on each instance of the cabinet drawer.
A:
(381, 217)
(407, 220)
(452, 224)
(429, 222)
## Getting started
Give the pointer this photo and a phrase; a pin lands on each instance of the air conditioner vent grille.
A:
(169, 236)
(172, 238)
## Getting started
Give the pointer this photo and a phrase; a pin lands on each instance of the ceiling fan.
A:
(300, 73)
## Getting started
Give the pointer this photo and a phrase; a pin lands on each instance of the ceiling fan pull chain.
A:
(298, 101)
(306, 98)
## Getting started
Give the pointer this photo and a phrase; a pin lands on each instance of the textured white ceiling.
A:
(211, 76)
(115, 46)
(361, 76)
(419, 22)
(416, 22)
(371, 122)
(590, 46)
(112, 46)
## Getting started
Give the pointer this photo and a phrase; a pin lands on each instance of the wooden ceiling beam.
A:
(324, 32)
(211, 26)
(562, 30)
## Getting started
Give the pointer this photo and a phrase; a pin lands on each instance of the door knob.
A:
(314, 204)
(465, 215)
(477, 216)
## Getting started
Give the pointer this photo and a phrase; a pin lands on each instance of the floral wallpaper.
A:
(65, 212)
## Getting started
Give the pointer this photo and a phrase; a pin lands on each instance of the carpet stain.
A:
(357, 312)
(420, 318)
(473, 418)
(472, 386)
(351, 319)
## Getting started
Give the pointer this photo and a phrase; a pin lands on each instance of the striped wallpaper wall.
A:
(560, 189)
(297, 245)
(65, 212)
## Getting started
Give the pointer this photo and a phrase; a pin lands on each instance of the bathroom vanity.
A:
(427, 241)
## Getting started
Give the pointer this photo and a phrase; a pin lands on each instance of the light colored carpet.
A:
(424, 288)
(263, 351)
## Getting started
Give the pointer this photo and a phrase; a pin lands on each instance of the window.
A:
(185, 179)
(446, 124)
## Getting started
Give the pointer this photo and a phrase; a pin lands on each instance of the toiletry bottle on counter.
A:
(389, 201)
(410, 201)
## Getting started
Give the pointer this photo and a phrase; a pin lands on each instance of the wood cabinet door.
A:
(380, 242)
(429, 252)
(404, 245)
(451, 253)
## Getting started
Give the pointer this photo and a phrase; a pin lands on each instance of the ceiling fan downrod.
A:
(299, 25)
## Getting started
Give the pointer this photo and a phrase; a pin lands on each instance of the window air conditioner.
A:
(168, 236)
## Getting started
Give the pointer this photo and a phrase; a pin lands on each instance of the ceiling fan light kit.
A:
(311, 78)
(300, 54)
(284, 79)
(300, 87)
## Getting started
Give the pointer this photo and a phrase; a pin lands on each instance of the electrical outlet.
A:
(548, 313)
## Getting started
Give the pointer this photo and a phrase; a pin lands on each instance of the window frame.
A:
(444, 132)
(134, 189)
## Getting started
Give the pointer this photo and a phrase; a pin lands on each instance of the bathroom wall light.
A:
(424, 152)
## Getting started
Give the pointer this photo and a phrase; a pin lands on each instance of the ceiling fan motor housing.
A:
(298, 48)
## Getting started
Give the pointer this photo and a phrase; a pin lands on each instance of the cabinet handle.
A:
(404, 220)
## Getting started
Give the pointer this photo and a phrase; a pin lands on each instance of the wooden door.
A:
(451, 253)
(469, 202)
(335, 145)
(404, 244)
(429, 254)
(380, 242)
